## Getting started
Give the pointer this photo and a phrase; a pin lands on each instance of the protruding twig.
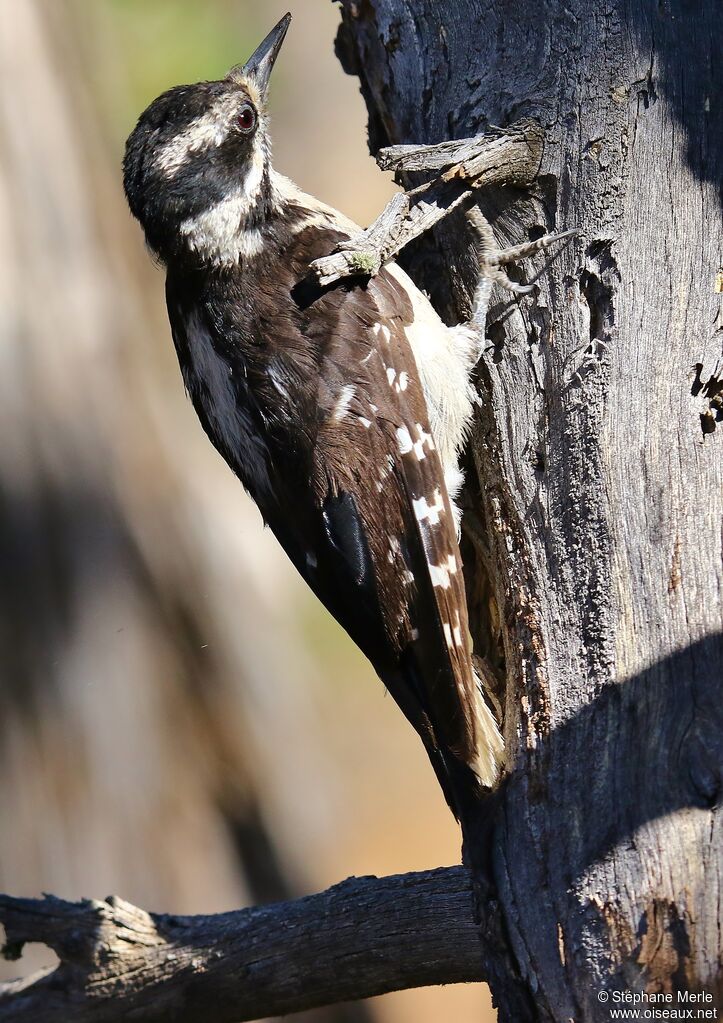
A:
(509, 157)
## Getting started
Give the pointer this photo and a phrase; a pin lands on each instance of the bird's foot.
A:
(492, 264)
(492, 259)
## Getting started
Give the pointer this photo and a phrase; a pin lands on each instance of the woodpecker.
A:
(343, 411)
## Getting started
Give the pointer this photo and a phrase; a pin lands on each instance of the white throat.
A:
(220, 234)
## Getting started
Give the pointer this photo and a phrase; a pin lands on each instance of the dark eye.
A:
(246, 119)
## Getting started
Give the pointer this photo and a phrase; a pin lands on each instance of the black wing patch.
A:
(345, 532)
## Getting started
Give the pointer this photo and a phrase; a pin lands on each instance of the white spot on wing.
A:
(425, 440)
(405, 440)
(426, 512)
(344, 400)
(391, 373)
(366, 423)
(439, 574)
(444, 358)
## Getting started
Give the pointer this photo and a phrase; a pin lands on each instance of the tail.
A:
(469, 775)
(474, 806)
(490, 756)
(468, 782)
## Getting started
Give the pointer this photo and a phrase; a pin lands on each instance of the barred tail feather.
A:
(490, 744)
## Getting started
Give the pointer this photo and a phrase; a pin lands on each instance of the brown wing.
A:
(357, 495)
(375, 445)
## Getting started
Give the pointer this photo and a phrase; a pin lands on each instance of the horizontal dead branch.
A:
(509, 157)
(363, 937)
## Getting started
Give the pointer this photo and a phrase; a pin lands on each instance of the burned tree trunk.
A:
(592, 542)
(594, 491)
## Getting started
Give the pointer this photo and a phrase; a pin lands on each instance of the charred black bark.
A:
(594, 499)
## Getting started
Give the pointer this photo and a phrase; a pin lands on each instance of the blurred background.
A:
(181, 723)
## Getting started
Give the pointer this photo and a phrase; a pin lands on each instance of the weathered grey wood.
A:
(500, 158)
(509, 157)
(360, 938)
(595, 483)
(596, 494)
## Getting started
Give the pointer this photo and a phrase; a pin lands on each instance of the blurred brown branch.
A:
(363, 937)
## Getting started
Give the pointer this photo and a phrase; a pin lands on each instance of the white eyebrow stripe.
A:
(210, 129)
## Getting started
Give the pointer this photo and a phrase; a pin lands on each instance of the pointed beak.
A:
(261, 62)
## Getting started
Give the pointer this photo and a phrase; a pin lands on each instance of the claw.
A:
(526, 249)
(492, 259)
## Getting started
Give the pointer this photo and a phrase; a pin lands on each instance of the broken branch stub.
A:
(500, 157)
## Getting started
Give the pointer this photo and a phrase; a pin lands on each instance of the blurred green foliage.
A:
(147, 46)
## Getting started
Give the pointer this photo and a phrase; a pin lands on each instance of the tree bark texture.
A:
(592, 534)
(363, 937)
(594, 486)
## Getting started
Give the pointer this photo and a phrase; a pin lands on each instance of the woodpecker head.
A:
(196, 170)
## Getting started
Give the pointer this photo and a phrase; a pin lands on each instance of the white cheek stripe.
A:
(218, 233)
